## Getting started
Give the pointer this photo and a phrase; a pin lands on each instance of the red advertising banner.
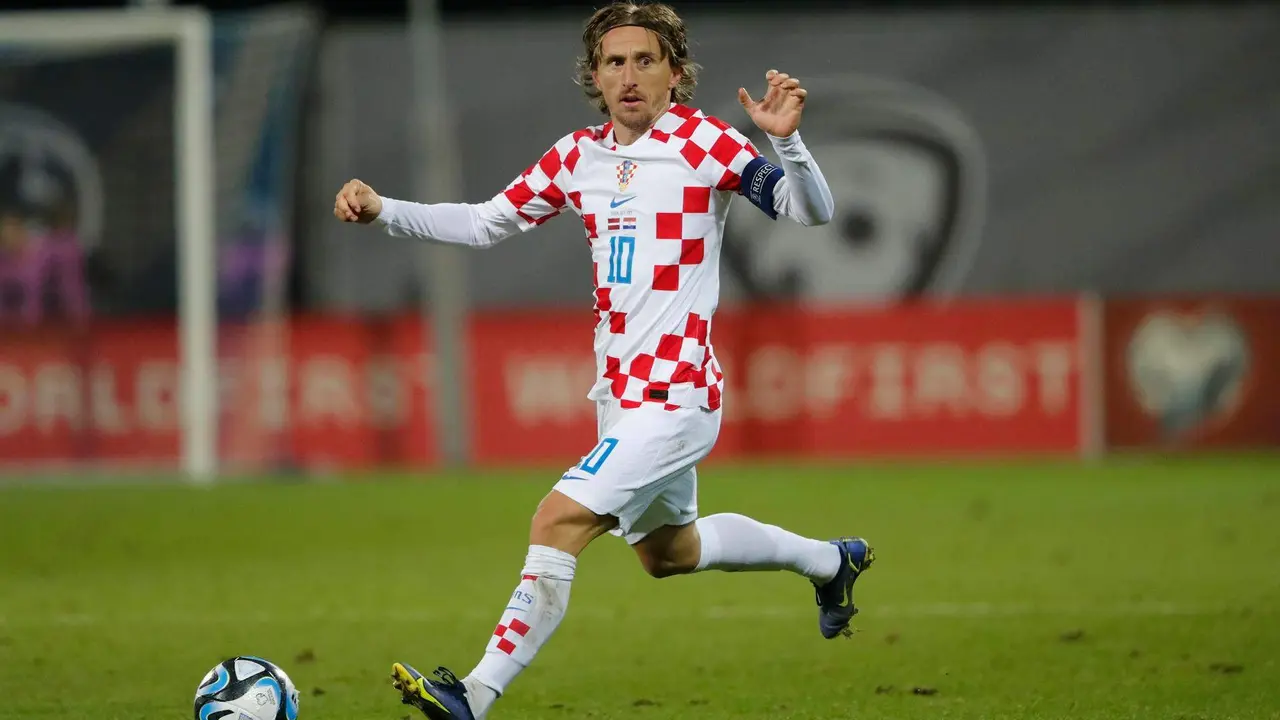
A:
(346, 393)
(319, 392)
(1192, 372)
(969, 378)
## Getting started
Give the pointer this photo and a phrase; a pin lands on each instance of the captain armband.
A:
(758, 180)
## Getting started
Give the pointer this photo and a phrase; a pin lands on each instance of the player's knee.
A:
(670, 551)
(663, 566)
(562, 523)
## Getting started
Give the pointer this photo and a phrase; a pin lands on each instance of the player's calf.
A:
(735, 543)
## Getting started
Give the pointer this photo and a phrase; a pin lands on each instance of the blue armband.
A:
(758, 179)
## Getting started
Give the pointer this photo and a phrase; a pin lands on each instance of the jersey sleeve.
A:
(542, 191)
(480, 225)
(801, 192)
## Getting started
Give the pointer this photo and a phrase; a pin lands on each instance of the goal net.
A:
(147, 162)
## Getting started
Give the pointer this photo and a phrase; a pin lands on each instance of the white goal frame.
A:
(190, 31)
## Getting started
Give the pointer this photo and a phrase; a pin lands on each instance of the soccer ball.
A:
(246, 688)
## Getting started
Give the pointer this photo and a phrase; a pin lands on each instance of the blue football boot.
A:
(443, 699)
(835, 599)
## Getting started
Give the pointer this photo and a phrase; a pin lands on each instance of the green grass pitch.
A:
(1136, 588)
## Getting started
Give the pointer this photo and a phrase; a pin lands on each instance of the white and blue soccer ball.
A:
(246, 688)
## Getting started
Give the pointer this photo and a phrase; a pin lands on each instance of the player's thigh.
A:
(566, 525)
(638, 461)
(620, 467)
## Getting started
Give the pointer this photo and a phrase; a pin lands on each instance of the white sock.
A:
(735, 543)
(532, 614)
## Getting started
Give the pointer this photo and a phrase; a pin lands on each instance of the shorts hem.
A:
(569, 488)
(634, 536)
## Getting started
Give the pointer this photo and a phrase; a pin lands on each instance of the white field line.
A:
(707, 613)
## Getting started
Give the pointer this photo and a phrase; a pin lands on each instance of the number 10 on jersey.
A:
(622, 254)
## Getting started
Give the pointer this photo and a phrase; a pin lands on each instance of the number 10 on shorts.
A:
(595, 459)
(622, 254)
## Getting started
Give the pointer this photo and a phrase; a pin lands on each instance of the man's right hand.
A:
(357, 202)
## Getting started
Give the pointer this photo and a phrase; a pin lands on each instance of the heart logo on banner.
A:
(1188, 369)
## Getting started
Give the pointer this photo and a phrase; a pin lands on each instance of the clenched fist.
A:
(357, 202)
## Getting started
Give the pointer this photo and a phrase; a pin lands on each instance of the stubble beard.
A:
(637, 122)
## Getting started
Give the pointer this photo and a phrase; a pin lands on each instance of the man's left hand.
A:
(778, 112)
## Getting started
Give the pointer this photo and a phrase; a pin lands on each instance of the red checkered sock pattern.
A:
(532, 614)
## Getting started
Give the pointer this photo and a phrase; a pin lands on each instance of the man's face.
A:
(634, 77)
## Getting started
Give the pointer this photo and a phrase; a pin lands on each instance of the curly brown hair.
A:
(662, 20)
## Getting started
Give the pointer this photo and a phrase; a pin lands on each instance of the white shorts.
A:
(642, 470)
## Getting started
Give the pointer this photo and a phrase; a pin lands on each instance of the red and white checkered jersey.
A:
(653, 213)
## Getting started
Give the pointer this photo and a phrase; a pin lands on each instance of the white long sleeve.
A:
(802, 194)
(478, 225)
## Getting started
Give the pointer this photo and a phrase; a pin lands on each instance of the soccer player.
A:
(652, 187)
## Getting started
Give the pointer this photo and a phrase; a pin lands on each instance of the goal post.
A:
(189, 31)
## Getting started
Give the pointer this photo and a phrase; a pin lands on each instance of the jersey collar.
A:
(670, 120)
